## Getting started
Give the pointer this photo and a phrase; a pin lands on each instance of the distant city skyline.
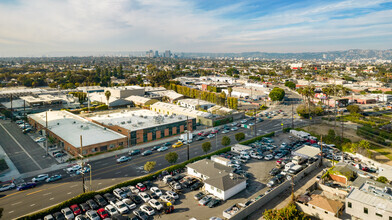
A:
(91, 27)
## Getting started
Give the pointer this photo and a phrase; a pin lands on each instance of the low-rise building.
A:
(122, 92)
(219, 180)
(168, 95)
(144, 125)
(141, 101)
(195, 104)
(68, 129)
(370, 202)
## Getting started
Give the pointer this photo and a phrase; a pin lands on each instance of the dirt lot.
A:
(381, 154)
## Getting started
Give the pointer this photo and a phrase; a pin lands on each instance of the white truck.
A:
(221, 160)
(184, 137)
(298, 160)
(299, 134)
(238, 148)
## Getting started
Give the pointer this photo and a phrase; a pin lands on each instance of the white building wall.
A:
(357, 210)
(234, 190)
(193, 172)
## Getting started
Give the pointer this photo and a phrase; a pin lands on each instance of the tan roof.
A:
(325, 203)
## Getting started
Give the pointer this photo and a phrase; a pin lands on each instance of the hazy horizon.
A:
(44, 27)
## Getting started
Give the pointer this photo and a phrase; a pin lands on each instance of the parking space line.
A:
(13, 138)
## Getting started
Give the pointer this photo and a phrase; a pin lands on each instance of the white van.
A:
(288, 166)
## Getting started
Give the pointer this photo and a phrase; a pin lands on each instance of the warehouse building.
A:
(195, 104)
(144, 125)
(67, 128)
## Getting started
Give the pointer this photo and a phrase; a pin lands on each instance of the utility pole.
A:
(216, 140)
(292, 188)
(12, 115)
(46, 132)
(321, 159)
(24, 113)
(187, 134)
(292, 114)
(91, 170)
(81, 150)
(255, 123)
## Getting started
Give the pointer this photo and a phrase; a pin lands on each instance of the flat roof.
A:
(195, 102)
(306, 151)
(169, 93)
(138, 99)
(41, 98)
(180, 110)
(136, 120)
(69, 127)
(371, 198)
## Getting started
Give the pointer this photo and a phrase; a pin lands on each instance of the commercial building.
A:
(219, 180)
(195, 104)
(67, 128)
(42, 100)
(306, 151)
(141, 101)
(125, 91)
(370, 202)
(144, 125)
(168, 95)
(112, 102)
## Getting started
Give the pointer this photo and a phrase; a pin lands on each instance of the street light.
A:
(91, 170)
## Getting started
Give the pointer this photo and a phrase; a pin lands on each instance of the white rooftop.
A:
(169, 93)
(8, 91)
(136, 120)
(372, 196)
(306, 151)
(41, 98)
(137, 99)
(69, 127)
(195, 102)
(180, 110)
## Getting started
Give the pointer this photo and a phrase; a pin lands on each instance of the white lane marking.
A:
(73, 186)
(104, 164)
(125, 175)
(51, 198)
(47, 194)
(10, 212)
(113, 179)
(159, 164)
(99, 183)
(20, 146)
(16, 203)
(32, 205)
(118, 172)
(69, 193)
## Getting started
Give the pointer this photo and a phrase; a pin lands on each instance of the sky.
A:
(41, 27)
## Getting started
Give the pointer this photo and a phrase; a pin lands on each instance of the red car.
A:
(141, 187)
(103, 213)
(75, 209)
(214, 132)
(200, 133)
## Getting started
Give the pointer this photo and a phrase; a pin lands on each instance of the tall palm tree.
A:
(108, 94)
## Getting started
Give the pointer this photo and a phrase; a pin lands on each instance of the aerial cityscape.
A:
(127, 109)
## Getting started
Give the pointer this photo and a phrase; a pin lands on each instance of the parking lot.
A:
(21, 149)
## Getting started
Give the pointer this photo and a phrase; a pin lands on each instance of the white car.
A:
(147, 209)
(166, 198)
(175, 185)
(225, 131)
(172, 194)
(134, 190)
(112, 211)
(39, 139)
(7, 187)
(256, 156)
(68, 214)
(268, 157)
(74, 168)
(244, 121)
(123, 159)
(155, 204)
(162, 149)
(92, 215)
(129, 203)
(156, 190)
(120, 206)
(119, 193)
(234, 128)
(40, 178)
(145, 197)
(211, 136)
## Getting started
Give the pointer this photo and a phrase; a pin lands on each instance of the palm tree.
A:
(107, 94)
(229, 90)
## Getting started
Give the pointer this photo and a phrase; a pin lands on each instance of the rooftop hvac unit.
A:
(123, 122)
(171, 116)
(110, 124)
(129, 122)
(74, 122)
(58, 123)
(145, 116)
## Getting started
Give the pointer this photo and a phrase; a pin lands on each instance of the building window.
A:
(365, 210)
(111, 146)
(349, 205)
(219, 191)
(378, 214)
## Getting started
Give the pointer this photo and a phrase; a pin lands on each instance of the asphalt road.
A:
(22, 150)
(106, 172)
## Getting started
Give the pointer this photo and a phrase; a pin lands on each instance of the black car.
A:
(199, 195)
(100, 200)
(155, 148)
(134, 152)
(199, 138)
(167, 144)
(178, 177)
(214, 202)
(274, 171)
(196, 185)
(92, 204)
(136, 199)
(125, 189)
(109, 197)
(154, 196)
(59, 216)
(148, 184)
(85, 207)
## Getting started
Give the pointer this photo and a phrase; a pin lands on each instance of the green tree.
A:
(206, 146)
(225, 141)
(149, 165)
(108, 94)
(276, 94)
(289, 212)
(290, 85)
(230, 90)
(353, 109)
(382, 179)
(171, 157)
(240, 136)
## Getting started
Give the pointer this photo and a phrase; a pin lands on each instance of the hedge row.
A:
(83, 197)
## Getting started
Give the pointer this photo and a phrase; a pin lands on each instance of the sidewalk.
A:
(12, 171)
